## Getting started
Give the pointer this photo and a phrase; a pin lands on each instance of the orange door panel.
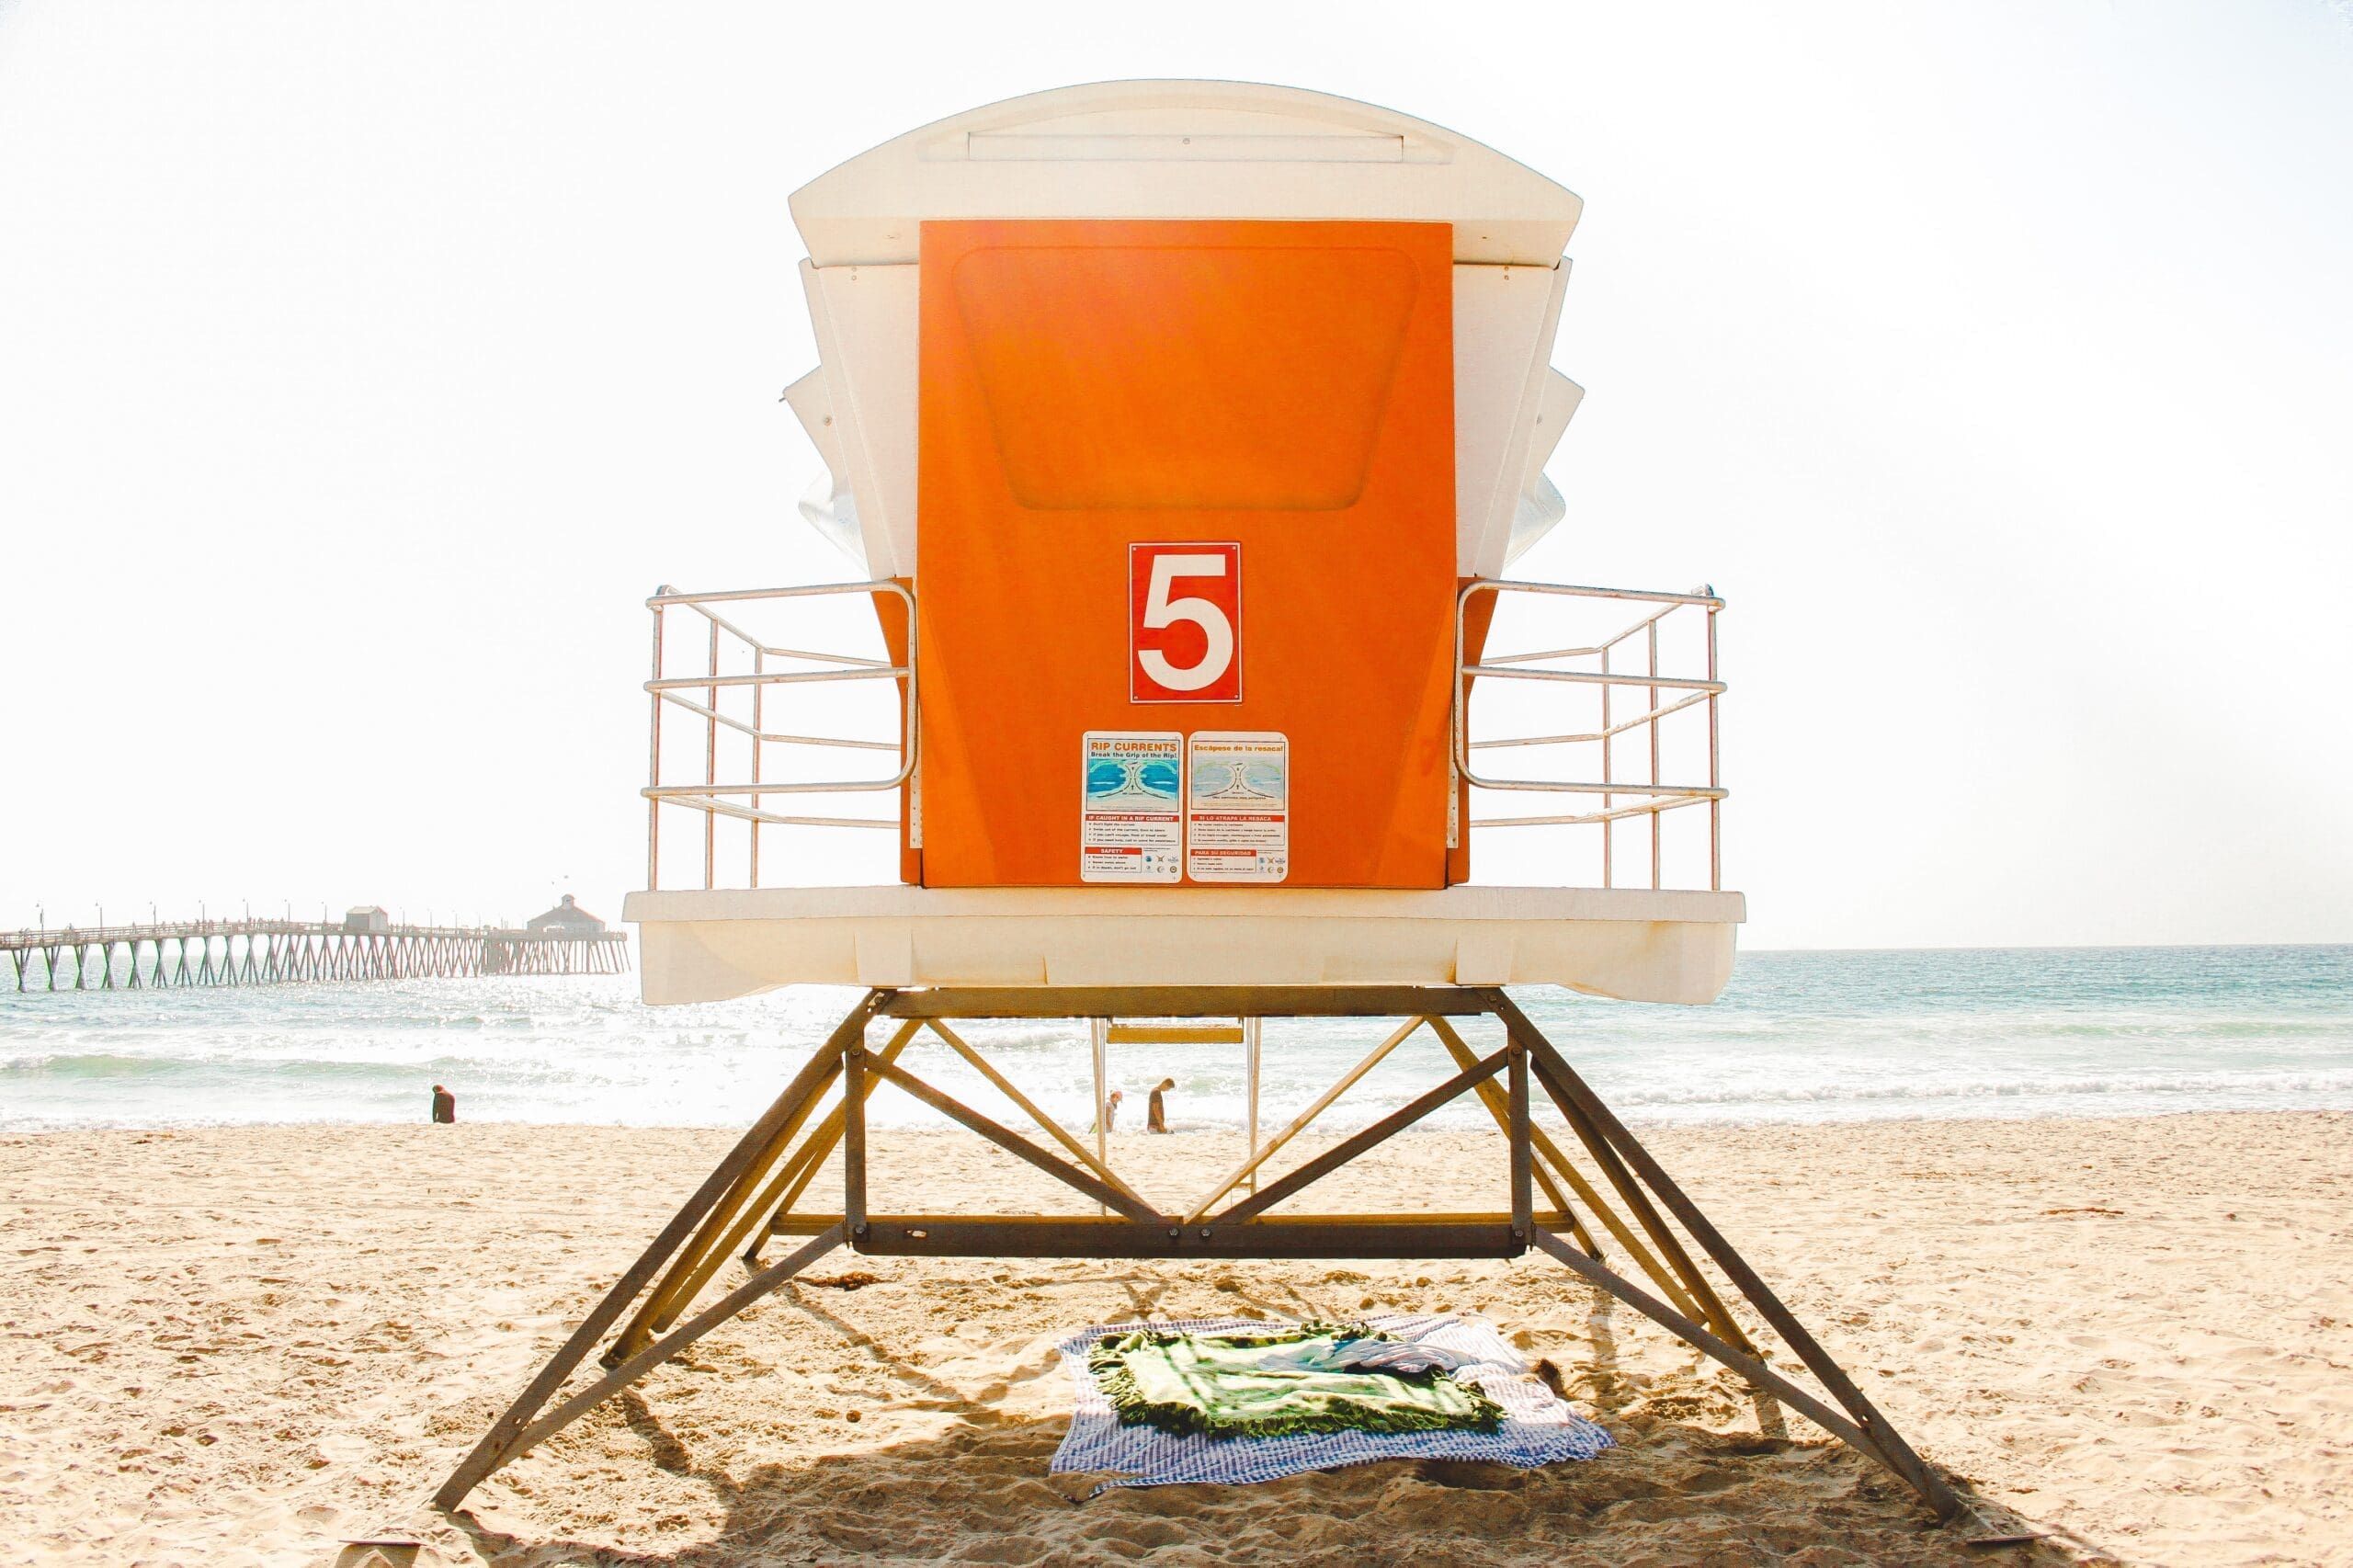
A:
(1283, 388)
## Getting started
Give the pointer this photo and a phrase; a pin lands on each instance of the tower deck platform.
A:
(1637, 945)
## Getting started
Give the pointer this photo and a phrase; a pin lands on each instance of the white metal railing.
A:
(1627, 773)
(1664, 695)
(740, 798)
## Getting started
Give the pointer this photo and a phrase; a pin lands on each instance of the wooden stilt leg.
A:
(1691, 1332)
(701, 1256)
(492, 1451)
(713, 1247)
(1696, 1288)
(1883, 1440)
(1493, 1099)
(1523, 1158)
(854, 1092)
(802, 1167)
(753, 1190)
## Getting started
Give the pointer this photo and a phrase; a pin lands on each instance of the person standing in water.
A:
(1156, 1120)
(445, 1105)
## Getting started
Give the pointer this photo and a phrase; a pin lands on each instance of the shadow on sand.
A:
(1672, 1492)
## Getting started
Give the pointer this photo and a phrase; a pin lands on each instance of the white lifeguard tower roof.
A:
(1175, 150)
(1178, 149)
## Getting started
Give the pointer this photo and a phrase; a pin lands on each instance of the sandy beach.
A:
(241, 1346)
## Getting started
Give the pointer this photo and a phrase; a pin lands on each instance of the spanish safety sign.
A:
(1237, 810)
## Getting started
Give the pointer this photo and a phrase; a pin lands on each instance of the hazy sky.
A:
(363, 367)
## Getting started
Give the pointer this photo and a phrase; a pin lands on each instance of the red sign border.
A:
(1133, 669)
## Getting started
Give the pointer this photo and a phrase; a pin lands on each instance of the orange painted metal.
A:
(1087, 386)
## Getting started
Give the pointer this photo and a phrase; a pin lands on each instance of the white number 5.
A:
(1160, 610)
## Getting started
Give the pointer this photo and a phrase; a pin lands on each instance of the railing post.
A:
(1716, 806)
(1608, 828)
(1652, 727)
(653, 763)
(711, 766)
(759, 667)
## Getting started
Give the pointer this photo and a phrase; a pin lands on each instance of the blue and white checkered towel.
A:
(1537, 1429)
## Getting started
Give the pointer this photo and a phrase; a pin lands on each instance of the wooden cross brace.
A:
(751, 1196)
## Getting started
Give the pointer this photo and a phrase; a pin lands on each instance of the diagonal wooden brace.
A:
(1014, 1143)
(494, 1448)
(662, 1349)
(1548, 1154)
(1012, 1091)
(1886, 1443)
(1691, 1332)
(802, 1168)
(677, 1293)
(1381, 1131)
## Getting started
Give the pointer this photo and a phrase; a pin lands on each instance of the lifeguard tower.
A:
(1184, 435)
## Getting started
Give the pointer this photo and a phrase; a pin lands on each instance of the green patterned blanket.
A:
(1290, 1379)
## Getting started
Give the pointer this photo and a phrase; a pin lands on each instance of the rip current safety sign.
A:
(1237, 808)
(1132, 823)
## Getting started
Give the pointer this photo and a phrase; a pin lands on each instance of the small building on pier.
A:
(362, 918)
(566, 920)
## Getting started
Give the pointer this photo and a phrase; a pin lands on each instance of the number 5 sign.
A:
(1184, 623)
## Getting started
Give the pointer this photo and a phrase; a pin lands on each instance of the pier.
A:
(172, 954)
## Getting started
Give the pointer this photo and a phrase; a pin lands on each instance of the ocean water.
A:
(1797, 1036)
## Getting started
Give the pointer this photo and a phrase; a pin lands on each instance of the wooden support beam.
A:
(1692, 1286)
(1523, 1196)
(1175, 1034)
(1347, 1149)
(1261, 1156)
(1499, 1111)
(1885, 1441)
(654, 1354)
(1594, 1204)
(1691, 1332)
(493, 1450)
(1011, 1144)
(1544, 1219)
(1004, 1086)
(1188, 1002)
(798, 1171)
(822, 1143)
(708, 1259)
(721, 1231)
(1335, 1237)
(854, 1095)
